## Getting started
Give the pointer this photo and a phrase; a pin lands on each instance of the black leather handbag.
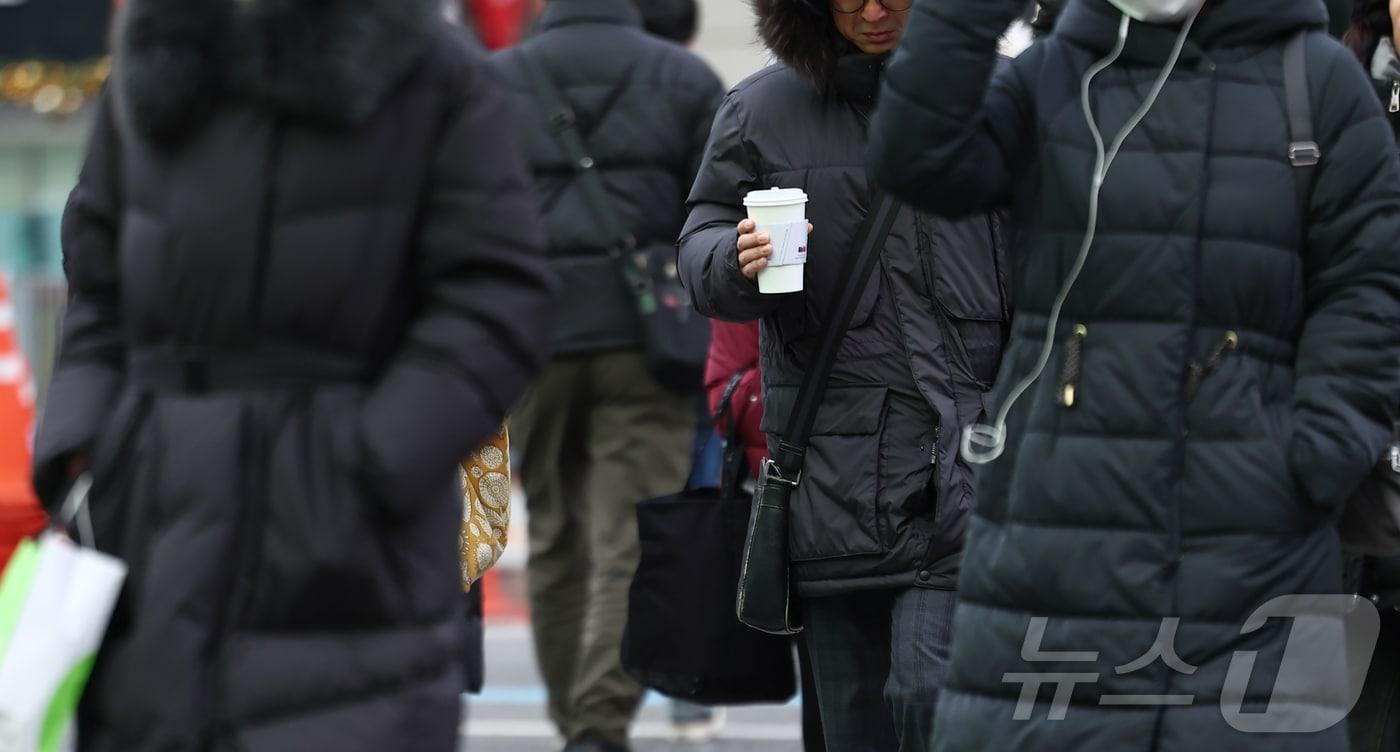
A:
(682, 638)
(765, 596)
(675, 338)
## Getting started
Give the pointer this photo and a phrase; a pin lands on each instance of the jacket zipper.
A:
(1073, 367)
(1395, 96)
(248, 521)
(1196, 373)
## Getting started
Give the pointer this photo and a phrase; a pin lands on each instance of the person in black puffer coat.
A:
(877, 519)
(306, 280)
(598, 432)
(1222, 375)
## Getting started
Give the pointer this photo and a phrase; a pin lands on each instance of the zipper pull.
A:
(1395, 97)
(1074, 354)
(938, 439)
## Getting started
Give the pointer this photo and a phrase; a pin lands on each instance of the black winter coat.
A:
(883, 498)
(305, 281)
(1176, 484)
(644, 107)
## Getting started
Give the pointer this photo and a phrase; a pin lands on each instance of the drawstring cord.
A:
(1197, 372)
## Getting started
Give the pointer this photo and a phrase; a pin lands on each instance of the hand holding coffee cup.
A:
(755, 249)
(773, 240)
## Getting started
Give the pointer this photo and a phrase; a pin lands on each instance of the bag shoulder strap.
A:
(786, 466)
(563, 126)
(1303, 151)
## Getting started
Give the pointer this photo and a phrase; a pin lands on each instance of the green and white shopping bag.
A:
(56, 598)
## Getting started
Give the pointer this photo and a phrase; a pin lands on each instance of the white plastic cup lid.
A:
(776, 197)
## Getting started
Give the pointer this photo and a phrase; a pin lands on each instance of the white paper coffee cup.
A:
(781, 213)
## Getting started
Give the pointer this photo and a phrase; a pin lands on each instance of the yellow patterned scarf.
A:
(486, 507)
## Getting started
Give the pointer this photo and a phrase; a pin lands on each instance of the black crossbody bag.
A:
(675, 338)
(765, 600)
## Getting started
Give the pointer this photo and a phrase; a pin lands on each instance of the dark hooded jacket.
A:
(883, 497)
(306, 279)
(644, 107)
(1234, 365)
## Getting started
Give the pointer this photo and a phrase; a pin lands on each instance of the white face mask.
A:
(1159, 11)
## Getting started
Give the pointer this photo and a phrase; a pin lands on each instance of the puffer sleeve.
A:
(1348, 365)
(92, 351)
(948, 136)
(484, 302)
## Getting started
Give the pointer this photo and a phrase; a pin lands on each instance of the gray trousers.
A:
(595, 436)
(879, 660)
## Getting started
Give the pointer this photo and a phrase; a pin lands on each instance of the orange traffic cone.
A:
(20, 515)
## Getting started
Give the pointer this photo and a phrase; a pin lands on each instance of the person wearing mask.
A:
(876, 528)
(1374, 722)
(598, 433)
(1202, 368)
(301, 290)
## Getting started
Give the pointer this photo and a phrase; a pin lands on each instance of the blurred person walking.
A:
(679, 21)
(598, 433)
(1209, 298)
(877, 520)
(1375, 721)
(306, 280)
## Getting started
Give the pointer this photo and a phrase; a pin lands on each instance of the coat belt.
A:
(177, 368)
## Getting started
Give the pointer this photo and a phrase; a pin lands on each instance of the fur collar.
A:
(325, 62)
(801, 34)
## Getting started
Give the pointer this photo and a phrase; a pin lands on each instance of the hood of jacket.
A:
(327, 63)
(802, 35)
(1224, 23)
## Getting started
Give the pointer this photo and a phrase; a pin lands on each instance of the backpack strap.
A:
(1303, 152)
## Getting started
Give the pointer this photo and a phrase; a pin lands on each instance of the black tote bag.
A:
(682, 637)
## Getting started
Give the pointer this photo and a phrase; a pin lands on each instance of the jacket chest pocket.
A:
(835, 512)
(964, 272)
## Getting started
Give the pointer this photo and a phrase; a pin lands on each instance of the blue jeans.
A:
(879, 659)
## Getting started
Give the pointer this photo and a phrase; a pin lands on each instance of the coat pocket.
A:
(835, 511)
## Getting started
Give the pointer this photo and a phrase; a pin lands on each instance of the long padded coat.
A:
(1175, 485)
(306, 281)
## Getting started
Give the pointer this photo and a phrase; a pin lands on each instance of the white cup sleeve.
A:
(789, 243)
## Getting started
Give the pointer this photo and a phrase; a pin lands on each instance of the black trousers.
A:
(879, 660)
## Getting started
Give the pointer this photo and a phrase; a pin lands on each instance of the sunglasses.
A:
(848, 7)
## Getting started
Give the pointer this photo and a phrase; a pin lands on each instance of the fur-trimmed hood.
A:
(801, 34)
(328, 62)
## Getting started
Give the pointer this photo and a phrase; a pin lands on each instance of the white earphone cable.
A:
(983, 443)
